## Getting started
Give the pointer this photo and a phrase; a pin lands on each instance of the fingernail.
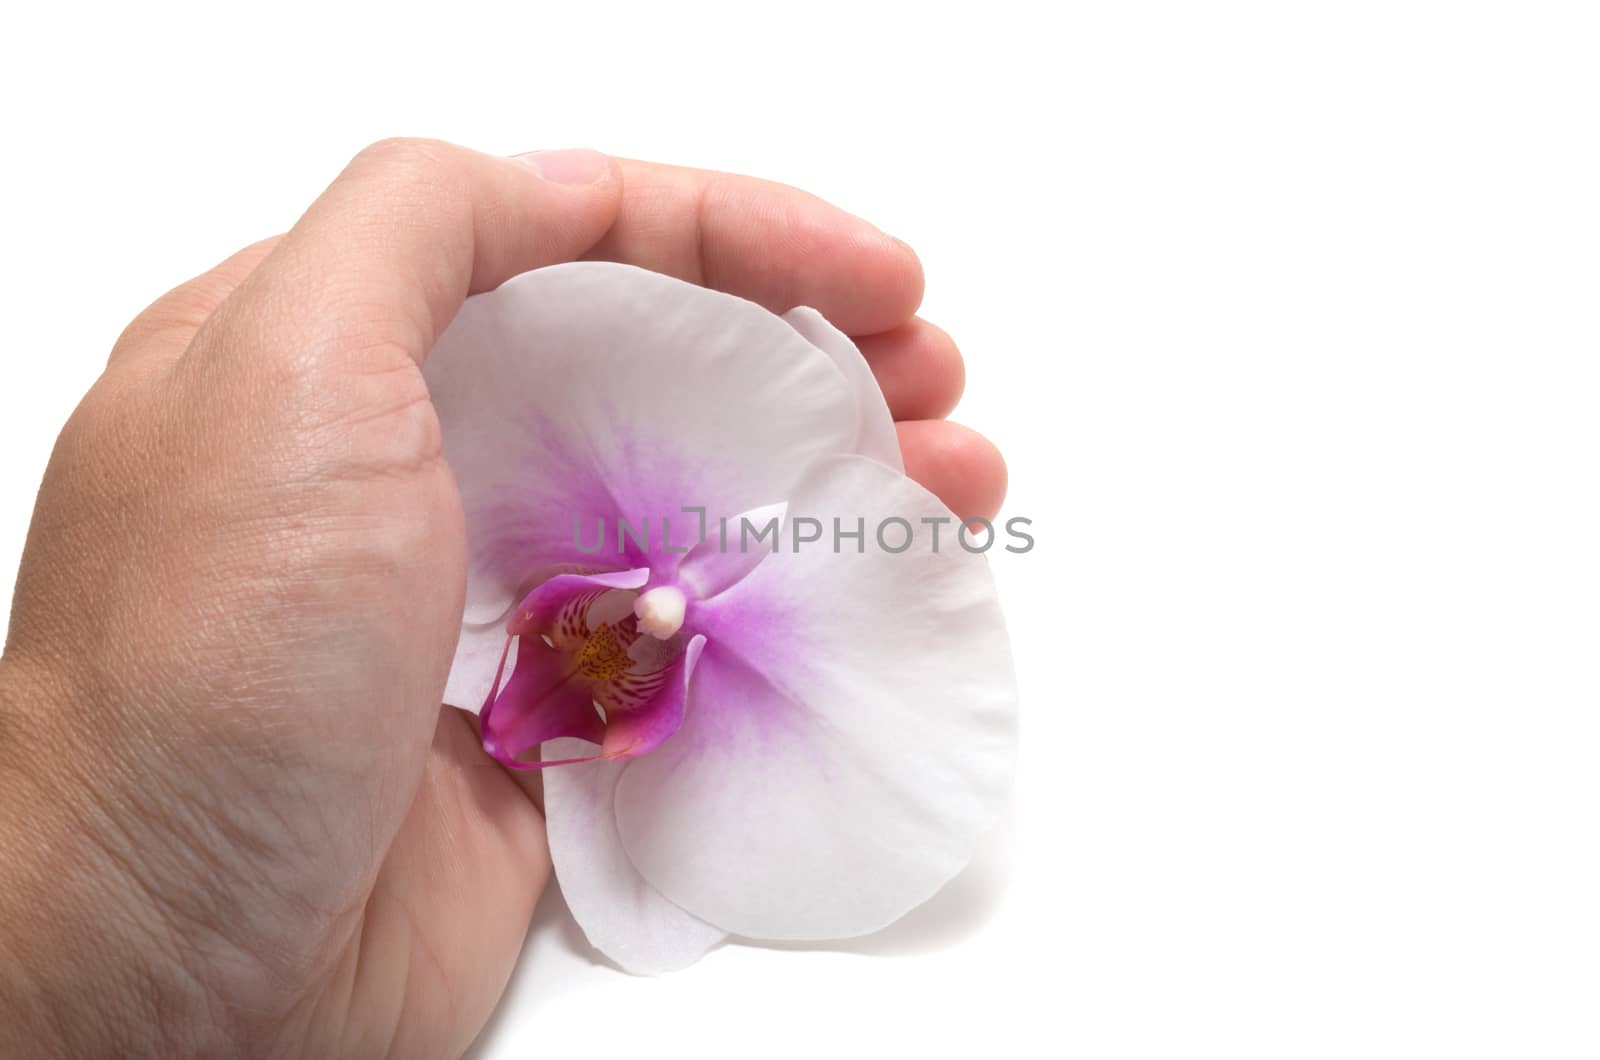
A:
(577, 165)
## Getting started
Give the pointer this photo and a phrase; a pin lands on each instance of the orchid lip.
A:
(598, 658)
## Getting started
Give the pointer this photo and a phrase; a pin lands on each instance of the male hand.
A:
(234, 819)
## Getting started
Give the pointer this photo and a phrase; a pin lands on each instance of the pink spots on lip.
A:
(583, 682)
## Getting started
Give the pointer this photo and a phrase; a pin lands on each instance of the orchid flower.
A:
(800, 734)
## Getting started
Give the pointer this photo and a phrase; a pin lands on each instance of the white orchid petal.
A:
(851, 728)
(476, 662)
(594, 390)
(875, 434)
(623, 916)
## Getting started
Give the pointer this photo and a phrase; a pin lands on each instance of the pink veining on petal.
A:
(642, 727)
(556, 608)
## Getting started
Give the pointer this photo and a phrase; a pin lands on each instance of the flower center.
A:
(660, 611)
(586, 669)
(603, 656)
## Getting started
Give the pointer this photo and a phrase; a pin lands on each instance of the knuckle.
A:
(409, 159)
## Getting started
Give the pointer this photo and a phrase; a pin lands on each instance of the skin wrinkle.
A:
(143, 972)
(387, 1022)
(161, 329)
(651, 223)
(192, 829)
(418, 939)
(202, 847)
(333, 1005)
(702, 269)
(440, 800)
(919, 368)
(297, 359)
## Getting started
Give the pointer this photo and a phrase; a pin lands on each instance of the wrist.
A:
(86, 968)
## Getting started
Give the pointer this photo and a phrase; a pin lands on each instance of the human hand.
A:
(233, 817)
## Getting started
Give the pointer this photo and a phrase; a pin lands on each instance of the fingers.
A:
(397, 242)
(958, 465)
(167, 325)
(918, 368)
(448, 915)
(387, 254)
(411, 227)
(531, 781)
(767, 242)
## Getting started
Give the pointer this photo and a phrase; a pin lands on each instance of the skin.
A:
(234, 818)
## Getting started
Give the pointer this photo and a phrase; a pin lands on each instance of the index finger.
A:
(773, 244)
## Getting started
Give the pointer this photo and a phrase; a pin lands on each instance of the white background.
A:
(1288, 319)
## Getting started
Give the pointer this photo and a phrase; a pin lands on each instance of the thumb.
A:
(387, 254)
(449, 913)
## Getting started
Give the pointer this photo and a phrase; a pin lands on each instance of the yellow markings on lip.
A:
(603, 656)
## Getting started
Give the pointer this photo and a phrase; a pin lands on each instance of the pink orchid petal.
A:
(540, 702)
(478, 649)
(639, 728)
(623, 916)
(851, 730)
(630, 730)
(557, 607)
(728, 554)
(546, 698)
(875, 434)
